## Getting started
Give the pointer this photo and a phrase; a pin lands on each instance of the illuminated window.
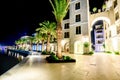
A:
(66, 26)
(77, 6)
(66, 35)
(78, 18)
(78, 30)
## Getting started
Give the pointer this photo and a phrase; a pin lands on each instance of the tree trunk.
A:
(59, 38)
(48, 43)
(30, 46)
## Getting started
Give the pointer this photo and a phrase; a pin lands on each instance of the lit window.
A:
(78, 30)
(66, 26)
(77, 6)
(66, 35)
(78, 18)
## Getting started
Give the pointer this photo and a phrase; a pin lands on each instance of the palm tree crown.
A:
(60, 9)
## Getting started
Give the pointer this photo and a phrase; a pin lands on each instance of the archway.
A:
(66, 47)
(98, 34)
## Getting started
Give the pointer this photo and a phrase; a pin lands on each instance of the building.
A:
(101, 29)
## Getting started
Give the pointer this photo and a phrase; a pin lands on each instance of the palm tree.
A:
(94, 9)
(49, 29)
(37, 39)
(60, 9)
(42, 37)
(103, 7)
(30, 41)
(17, 42)
(23, 41)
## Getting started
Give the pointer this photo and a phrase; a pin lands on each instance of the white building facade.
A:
(77, 29)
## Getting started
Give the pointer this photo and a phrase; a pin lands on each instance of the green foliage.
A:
(101, 26)
(47, 53)
(67, 58)
(86, 44)
(104, 45)
(60, 8)
(108, 52)
(54, 57)
(94, 9)
(91, 52)
(104, 6)
(116, 52)
(44, 52)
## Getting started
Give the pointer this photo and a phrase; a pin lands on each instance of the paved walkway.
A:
(96, 67)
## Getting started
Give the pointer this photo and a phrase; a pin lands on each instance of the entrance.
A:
(98, 36)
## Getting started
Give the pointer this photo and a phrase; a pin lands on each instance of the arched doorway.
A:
(66, 47)
(98, 33)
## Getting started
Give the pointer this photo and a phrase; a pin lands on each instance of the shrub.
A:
(68, 58)
(116, 52)
(47, 53)
(43, 52)
(54, 57)
(108, 51)
(52, 53)
(64, 57)
(86, 44)
(91, 52)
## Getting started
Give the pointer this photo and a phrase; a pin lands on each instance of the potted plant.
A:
(86, 47)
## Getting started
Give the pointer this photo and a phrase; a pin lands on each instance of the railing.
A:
(17, 53)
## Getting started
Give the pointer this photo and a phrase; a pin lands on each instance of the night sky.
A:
(24, 17)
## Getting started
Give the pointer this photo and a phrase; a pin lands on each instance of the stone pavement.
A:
(99, 66)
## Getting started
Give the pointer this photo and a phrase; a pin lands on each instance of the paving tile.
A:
(99, 66)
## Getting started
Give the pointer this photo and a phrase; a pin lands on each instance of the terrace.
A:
(99, 66)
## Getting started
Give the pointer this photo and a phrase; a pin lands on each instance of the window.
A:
(99, 41)
(77, 6)
(115, 3)
(109, 34)
(66, 35)
(78, 18)
(66, 26)
(99, 36)
(117, 16)
(118, 29)
(106, 35)
(78, 30)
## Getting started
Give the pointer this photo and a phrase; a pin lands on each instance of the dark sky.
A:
(24, 16)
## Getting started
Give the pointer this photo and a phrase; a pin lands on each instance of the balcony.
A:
(99, 36)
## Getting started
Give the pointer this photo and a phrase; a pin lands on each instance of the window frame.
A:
(78, 30)
(78, 18)
(77, 6)
(66, 34)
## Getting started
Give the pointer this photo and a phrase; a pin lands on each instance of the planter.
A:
(56, 60)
